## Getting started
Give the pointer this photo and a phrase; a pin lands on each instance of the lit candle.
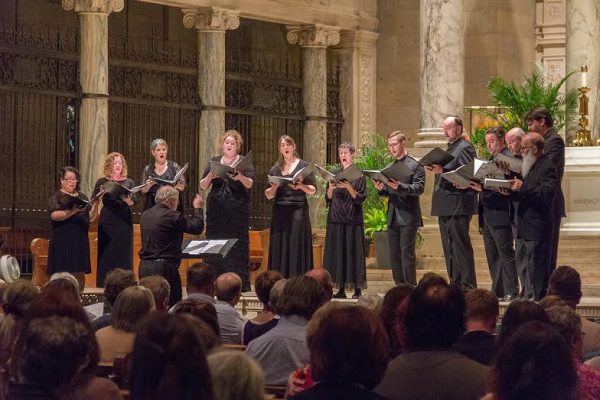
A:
(584, 76)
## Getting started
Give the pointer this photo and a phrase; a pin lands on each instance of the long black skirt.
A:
(290, 242)
(115, 249)
(345, 255)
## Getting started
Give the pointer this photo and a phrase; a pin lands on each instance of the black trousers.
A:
(533, 258)
(402, 254)
(556, 222)
(458, 250)
(500, 254)
(167, 269)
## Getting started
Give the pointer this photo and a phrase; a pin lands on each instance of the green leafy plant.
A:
(477, 139)
(375, 220)
(536, 91)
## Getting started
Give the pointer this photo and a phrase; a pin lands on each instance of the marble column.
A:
(211, 24)
(583, 34)
(314, 40)
(442, 67)
(93, 77)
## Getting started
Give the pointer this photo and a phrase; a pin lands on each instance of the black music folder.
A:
(225, 171)
(175, 180)
(436, 156)
(119, 190)
(397, 171)
(349, 174)
(299, 176)
(206, 248)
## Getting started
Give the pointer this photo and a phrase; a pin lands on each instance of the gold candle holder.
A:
(583, 137)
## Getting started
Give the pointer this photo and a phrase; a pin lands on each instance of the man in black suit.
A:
(404, 212)
(495, 222)
(455, 207)
(535, 214)
(540, 120)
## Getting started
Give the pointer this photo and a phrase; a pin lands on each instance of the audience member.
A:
(393, 310)
(517, 313)
(115, 282)
(323, 276)
(479, 341)
(265, 320)
(202, 310)
(370, 300)
(283, 349)
(565, 282)
(432, 369)
(3, 286)
(229, 291)
(237, 375)
(160, 289)
(348, 355)
(201, 282)
(534, 363)
(131, 306)
(169, 360)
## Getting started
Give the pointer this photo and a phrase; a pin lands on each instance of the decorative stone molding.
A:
(93, 6)
(366, 94)
(211, 19)
(314, 35)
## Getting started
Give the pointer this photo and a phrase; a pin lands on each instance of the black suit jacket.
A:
(494, 207)
(446, 199)
(404, 208)
(536, 199)
(554, 148)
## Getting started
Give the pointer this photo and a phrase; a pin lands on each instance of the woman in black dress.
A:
(228, 209)
(163, 169)
(290, 243)
(344, 241)
(115, 229)
(69, 245)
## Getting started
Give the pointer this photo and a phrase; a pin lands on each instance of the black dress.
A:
(344, 256)
(115, 232)
(290, 243)
(228, 217)
(172, 169)
(69, 244)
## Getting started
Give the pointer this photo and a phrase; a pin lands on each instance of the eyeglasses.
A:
(70, 179)
(526, 147)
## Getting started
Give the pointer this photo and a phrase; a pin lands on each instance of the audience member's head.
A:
(131, 306)
(551, 301)
(206, 333)
(370, 300)
(239, 377)
(392, 313)
(65, 282)
(483, 309)
(201, 279)
(115, 282)
(323, 276)
(431, 278)
(275, 295)
(301, 296)
(160, 289)
(169, 360)
(228, 288)
(517, 313)
(566, 321)
(349, 346)
(202, 310)
(535, 363)
(3, 286)
(54, 349)
(17, 297)
(565, 282)
(263, 284)
(434, 316)
(69, 277)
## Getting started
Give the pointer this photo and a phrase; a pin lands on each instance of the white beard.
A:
(528, 162)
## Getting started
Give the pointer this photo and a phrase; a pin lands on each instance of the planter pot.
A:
(382, 250)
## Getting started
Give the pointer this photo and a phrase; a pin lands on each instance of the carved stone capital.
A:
(314, 35)
(96, 6)
(211, 19)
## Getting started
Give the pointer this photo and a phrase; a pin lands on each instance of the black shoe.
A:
(509, 298)
(356, 294)
(341, 294)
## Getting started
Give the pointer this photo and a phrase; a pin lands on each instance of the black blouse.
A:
(172, 169)
(287, 196)
(343, 209)
(235, 188)
(114, 209)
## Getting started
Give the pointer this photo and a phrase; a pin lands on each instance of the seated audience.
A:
(566, 321)
(202, 310)
(228, 287)
(17, 297)
(348, 355)
(534, 363)
(283, 349)
(3, 286)
(370, 300)
(323, 276)
(431, 368)
(517, 313)
(160, 289)
(115, 282)
(169, 360)
(236, 376)
(392, 312)
(565, 282)
(479, 341)
(131, 306)
(200, 285)
(265, 320)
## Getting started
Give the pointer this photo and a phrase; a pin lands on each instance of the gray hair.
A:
(518, 132)
(369, 300)
(239, 376)
(68, 277)
(166, 193)
(275, 295)
(566, 321)
(158, 142)
(130, 308)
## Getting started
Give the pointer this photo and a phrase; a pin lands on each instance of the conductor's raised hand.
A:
(198, 201)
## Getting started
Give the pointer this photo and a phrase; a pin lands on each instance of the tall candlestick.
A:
(584, 75)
